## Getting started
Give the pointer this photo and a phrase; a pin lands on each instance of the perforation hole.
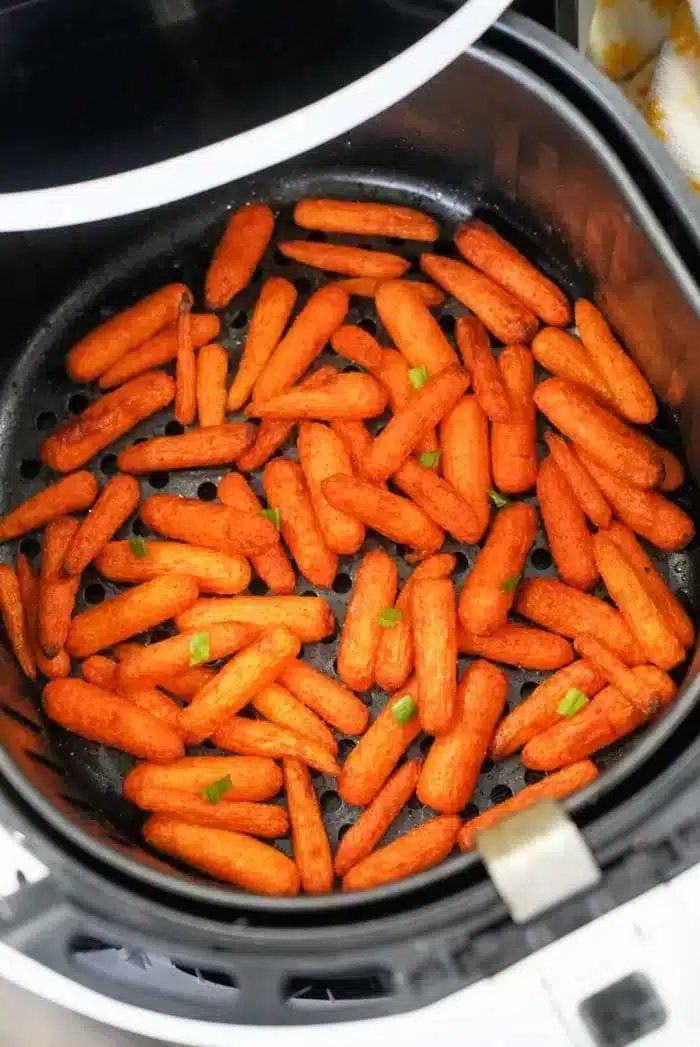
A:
(257, 587)
(342, 583)
(139, 528)
(368, 325)
(207, 491)
(345, 747)
(46, 420)
(330, 803)
(343, 829)
(78, 403)
(470, 811)
(159, 480)
(30, 547)
(487, 765)
(174, 428)
(541, 559)
(447, 324)
(527, 688)
(302, 284)
(500, 794)
(108, 465)
(281, 259)
(29, 468)
(94, 593)
(462, 562)
(239, 320)
(533, 777)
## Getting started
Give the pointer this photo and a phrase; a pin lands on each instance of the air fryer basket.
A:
(488, 138)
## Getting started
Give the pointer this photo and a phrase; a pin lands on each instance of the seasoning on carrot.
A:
(250, 778)
(569, 539)
(259, 738)
(217, 445)
(518, 645)
(374, 590)
(56, 593)
(434, 621)
(138, 560)
(584, 488)
(267, 323)
(243, 244)
(418, 849)
(253, 819)
(339, 258)
(322, 454)
(276, 704)
(14, 618)
(116, 502)
(465, 461)
(513, 444)
(212, 371)
(355, 438)
(344, 396)
(397, 518)
(70, 494)
(158, 661)
(185, 366)
(214, 526)
(53, 668)
(563, 355)
(412, 327)
(312, 851)
(159, 350)
(365, 287)
(367, 219)
(104, 672)
(309, 617)
(329, 699)
(638, 691)
(272, 566)
(489, 387)
(286, 490)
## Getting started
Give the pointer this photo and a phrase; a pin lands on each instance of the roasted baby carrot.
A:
(258, 738)
(71, 494)
(339, 258)
(280, 707)
(647, 622)
(539, 710)
(272, 566)
(569, 539)
(15, 620)
(253, 668)
(452, 766)
(598, 432)
(117, 336)
(185, 406)
(585, 489)
(366, 219)
(56, 593)
(365, 833)
(329, 699)
(312, 851)
(132, 612)
(434, 623)
(373, 593)
(248, 778)
(412, 327)
(309, 617)
(230, 856)
(556, 606)
(518, 645)
(105, 717)
(489, 387)
(633, 395)
(53, 668)
(640, 692)
(253, 819)
(513, 444)
(358, 345)
(104, 672)
(114, 506)
(507, 318)
(105, 420)
(217, 445)
(270, 315)
(344, 396)
(159, 350)
(185, 685)
(397, 518)
(486, 250)
(438, 500)
(324, 312)
(365, 287)
(212, 371)
(322, 454)
(419, 849)
(646, 512)
(563, 355)
(213, 526)
(489, 591)
(465, 460)
(556, 787)
(355, 438)
(288, 494)
(139, 561)
(674, 472)
(158, 661)
(243, 244)
(380, 748)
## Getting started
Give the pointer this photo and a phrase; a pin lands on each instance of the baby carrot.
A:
(489, 591)
(309, 617)
(355, 438)
(518, 645)
(486, 250)
(213, 526)
(104, 672)
(185, 367)
(322, 454)
(465, 461)
(329, 699)
(513, 447)
(114, 506)
(489, 387)
(241, 247)
(15, 620)
(312, 851)
(159, 350)
(556, 787)
(249, 778)
(419, 849)
(434, 621)
(412, 327)
(272, 566)
(358, 345)
(585, 489)
(564, 356)
(185, 685)
(56, 593)
(29, 593)
(280, 707)
(70, 494)
(158, 661)
(253, 819)
(270, 315)
(339, 258)
(438, 500)
(674, 472)
(366, 219)
(212, 371)
(642, 694)
(259, 738)
(373, 593)
(569, 539)
(397, 518)
(287, 493)
(344, 396)
(452, 766)
(365, 287)
(214, 572)
(217, 445)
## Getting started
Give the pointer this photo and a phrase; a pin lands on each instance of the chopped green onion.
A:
(138, 547)
(418, 376)
(199, 649)
(498, 499)
(273, 515)
(216, 790)
(404, 709)
(430, 459)
(388, 616)
(572, 703)
(511, 583)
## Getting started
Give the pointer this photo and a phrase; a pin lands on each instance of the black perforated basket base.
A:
(38, 395)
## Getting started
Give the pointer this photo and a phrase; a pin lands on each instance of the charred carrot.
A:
(412, 327)
(366, 219)
(53, 668)
(339, 258)
(513, 447)
(160, 660)
(139, 561)
(465, 461)
(259, 738)
(217, 445)
(214, 526)
(489, 387)
(243, 244)
(253, 819)
(365, 287)
(438, 500)
(185, 367)
(584, 488)
(518, 645)
(563, 355)
(15, 620)
(272, 566)
(280, 707)
(248, 778)
(344, 396)
(329, 699)
(312, 851)
(114, 506)
(642, 694)
(373, 593)
(71, 494)
(309, 617)
(434, 623)
(159, 350)
(270, 315)
(355, 438)
(419, 849)
(569, 539)
(395, 517)
(212, 371)
(288, 494)
(56, 594)
(322, 454)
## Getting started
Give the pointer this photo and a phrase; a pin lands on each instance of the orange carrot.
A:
(309, 617)
(513, 449)
(136, 561)
(489, 590)
(159, 350)
(540, 709)
(185, 685)
(71, 494)
(29, 592)
(272, 566)
(115, 504)
(518, 645)
(598, 432)
(322, 454)
(365, 833)
(15, 620)
(558, 607)
(104, 673)
(339, 258)
(674, 472)
(249, 778)
(556, 787)
(132, 612)
(633, 394)
(217, 445)
(160, 660)
(214, 526)
(438, 500)
(253, 668)
(569, 539)
(453, 764)
(312, 851)
(243, 244)
(486, 250)
(366, 219)
(280, 707)
(286, 492)
(212, 371)
(506, 318)
(258, 738)
(489, 387)
(230, 856)
(56, 594)
(418, 849)
(323, 313)
(640, 693)
(584, 488)
(465, 461)
(185, 367)
(412, 327)
(345, 396)
(254, 819)
(329, 699)
(102, 347)
(357, 345)
(365, 287)
(270, 315)
(102, 716)
(105, 420)
(373, 593)
(434, 622)
(563, 355)
(395, 517)
(355, 438)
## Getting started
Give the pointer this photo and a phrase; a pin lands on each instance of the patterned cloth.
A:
(652, 49)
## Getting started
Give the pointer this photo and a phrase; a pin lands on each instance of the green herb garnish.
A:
(388, 616)
(572, 703)
(199, 649)
(273, 515)
(418, 376)
(430, 459)
(511, 583)
(138, 547)
(216, 790)
(498, 499)
(404, 709)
